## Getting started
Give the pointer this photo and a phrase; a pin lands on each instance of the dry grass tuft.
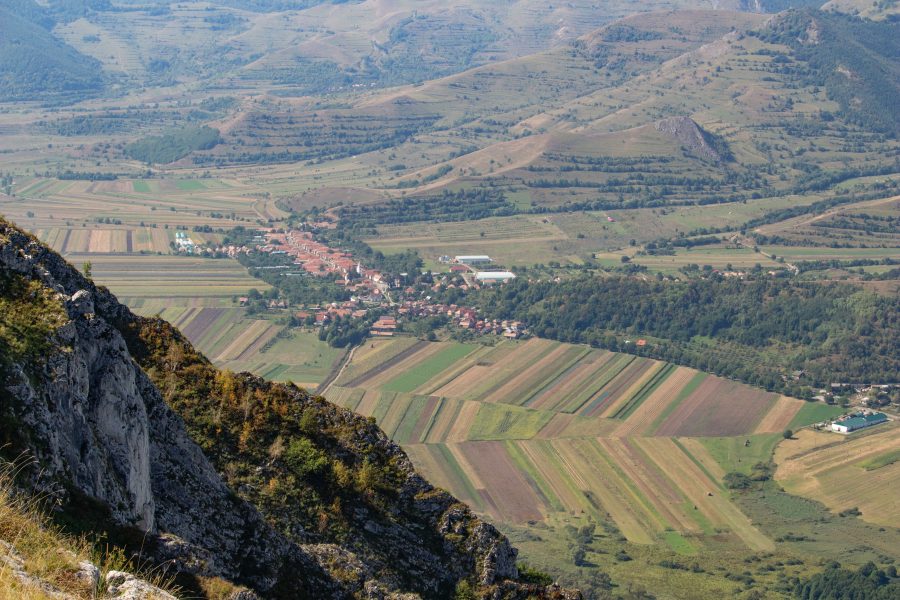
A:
(37, 560)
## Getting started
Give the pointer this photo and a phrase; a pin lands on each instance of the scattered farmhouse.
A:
(857, 421)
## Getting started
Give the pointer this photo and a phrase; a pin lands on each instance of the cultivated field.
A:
(529, 431)
(155, 282)
(858, 471)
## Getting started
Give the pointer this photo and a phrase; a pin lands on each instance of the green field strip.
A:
(678, 543)
(35, 188)
(451, 373)
(584, 380)
(451, 409)
(499, 351)
(435, 415)
(506, 422)
(455, 473)
(346, 397)
(141, 187)
(685, 392)
(815, 412)
(273, 373)
(382, 407)
(648, 388)
(630, 484)
(677, 493)
(882, 460)
(593, 387)
(599, 396)
(631, 501)
(586, 387)
(417, 410)
(358, 370)
(219, 334)
(221, 339)
(422, 372)
(400, 406)
(544, 381)
(540, 487)
(699, 464)
(189, 185)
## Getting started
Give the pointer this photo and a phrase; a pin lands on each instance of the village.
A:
(375, 295)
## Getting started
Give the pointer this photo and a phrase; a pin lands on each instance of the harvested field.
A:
(832, 469)
(703, 492)
(718, 408)
(780, 416)
(504, 493)
(176, 280)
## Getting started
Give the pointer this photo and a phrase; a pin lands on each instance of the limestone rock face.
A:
(96, 424)
(90, 413)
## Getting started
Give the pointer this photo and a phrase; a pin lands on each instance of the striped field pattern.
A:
(523, 430)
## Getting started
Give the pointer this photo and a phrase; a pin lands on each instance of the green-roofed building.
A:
(858, 421)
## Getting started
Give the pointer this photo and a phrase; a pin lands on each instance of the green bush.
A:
(304, 459)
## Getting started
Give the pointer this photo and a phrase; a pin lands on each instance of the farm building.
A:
(476, 259)
(858, 421)
(494, 276)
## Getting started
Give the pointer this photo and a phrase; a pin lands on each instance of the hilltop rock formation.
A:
(113, 406)
(694, 138)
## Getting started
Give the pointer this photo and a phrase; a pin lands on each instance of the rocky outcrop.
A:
(693, 138)
(99, 428)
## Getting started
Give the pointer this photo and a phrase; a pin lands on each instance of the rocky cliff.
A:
(694, 139)
(218, 474)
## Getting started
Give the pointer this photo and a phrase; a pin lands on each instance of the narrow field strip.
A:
(630, 405)
(404, 362)
(627, 387)
(780, 416)
(641, 419)
(417, 373)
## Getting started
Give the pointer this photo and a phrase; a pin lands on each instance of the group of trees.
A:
(461, 205)
(832, 333)
(173, 146)
(837, 583)
(298, 288)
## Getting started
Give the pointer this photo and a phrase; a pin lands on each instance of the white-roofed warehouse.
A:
(492, 276)
(473, 259)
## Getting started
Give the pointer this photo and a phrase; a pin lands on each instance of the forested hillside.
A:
(36, 65)
(832, 333)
